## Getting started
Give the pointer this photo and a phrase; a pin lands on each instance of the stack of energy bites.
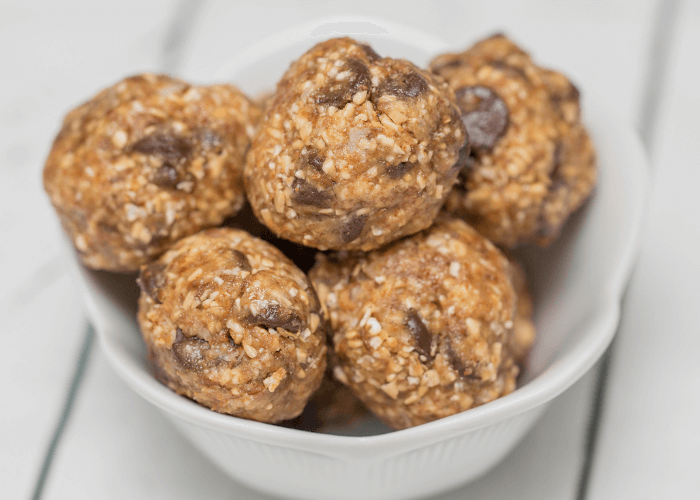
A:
(407, 180)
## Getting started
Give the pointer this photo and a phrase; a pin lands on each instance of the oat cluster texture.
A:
(146, 162)
(423, 329)
(397, 189)
(232, 323)
(354, 150)
(531, 161)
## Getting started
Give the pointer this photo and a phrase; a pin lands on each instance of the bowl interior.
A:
(576, 283)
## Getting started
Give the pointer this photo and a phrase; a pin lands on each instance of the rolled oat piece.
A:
(146, 162)
(423, 328)
(532, 162)
(354, 150)
(230, 322)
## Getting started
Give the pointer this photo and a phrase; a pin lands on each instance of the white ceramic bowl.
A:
(577, 284)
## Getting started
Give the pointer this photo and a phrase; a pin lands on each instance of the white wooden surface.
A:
(118, 446)
(650, 445)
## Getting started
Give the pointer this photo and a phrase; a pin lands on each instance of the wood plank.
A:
(649, 445)
(55, 55)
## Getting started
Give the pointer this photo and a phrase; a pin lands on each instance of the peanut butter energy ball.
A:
(423, 328)
(146, 162)
(354, 150)
(230, 322)
(532, 162)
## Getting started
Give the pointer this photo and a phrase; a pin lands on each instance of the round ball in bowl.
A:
(354, 150)
(146, 162)
(230, 322)
(532, 162)
(423, 328)
(578, 283)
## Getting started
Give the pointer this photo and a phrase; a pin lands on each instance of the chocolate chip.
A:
(340, 92)
(239, 260)
(572, 95)
(352, 228)
(151, 279)
(484, 114)
(557, 160)
(421, 334)
(307, 194)
(398, 171)
(166, 176)
(513, 70)
(313, 159)
(190, 351)
(369, 52)
(170, 147)
(179, 335)
(465, 370)
(276, 316)
(403, 86)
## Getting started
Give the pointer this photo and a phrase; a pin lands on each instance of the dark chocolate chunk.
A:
(307, 194)
(420, 332)
(179, 335)
(151, 279)
(275, 316)
(313, 159)
(574, 93)
(240, 261)
(352, 228)
(513, 70)
(557, 160)
(571, 96)
(170, 147)
(369, 52)
(166, 176)
(465, 370)
(340, 92)
(403, 86)
(484, 114)
(190, 351)
(398, 171)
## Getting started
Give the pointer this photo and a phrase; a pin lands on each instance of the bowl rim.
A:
(558, 377)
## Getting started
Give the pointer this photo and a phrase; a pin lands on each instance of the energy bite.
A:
(146, 162)
(354, 150)
(231, 323)
(532, 162)
(423, 328)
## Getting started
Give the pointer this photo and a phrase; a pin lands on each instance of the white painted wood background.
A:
(642, 54)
